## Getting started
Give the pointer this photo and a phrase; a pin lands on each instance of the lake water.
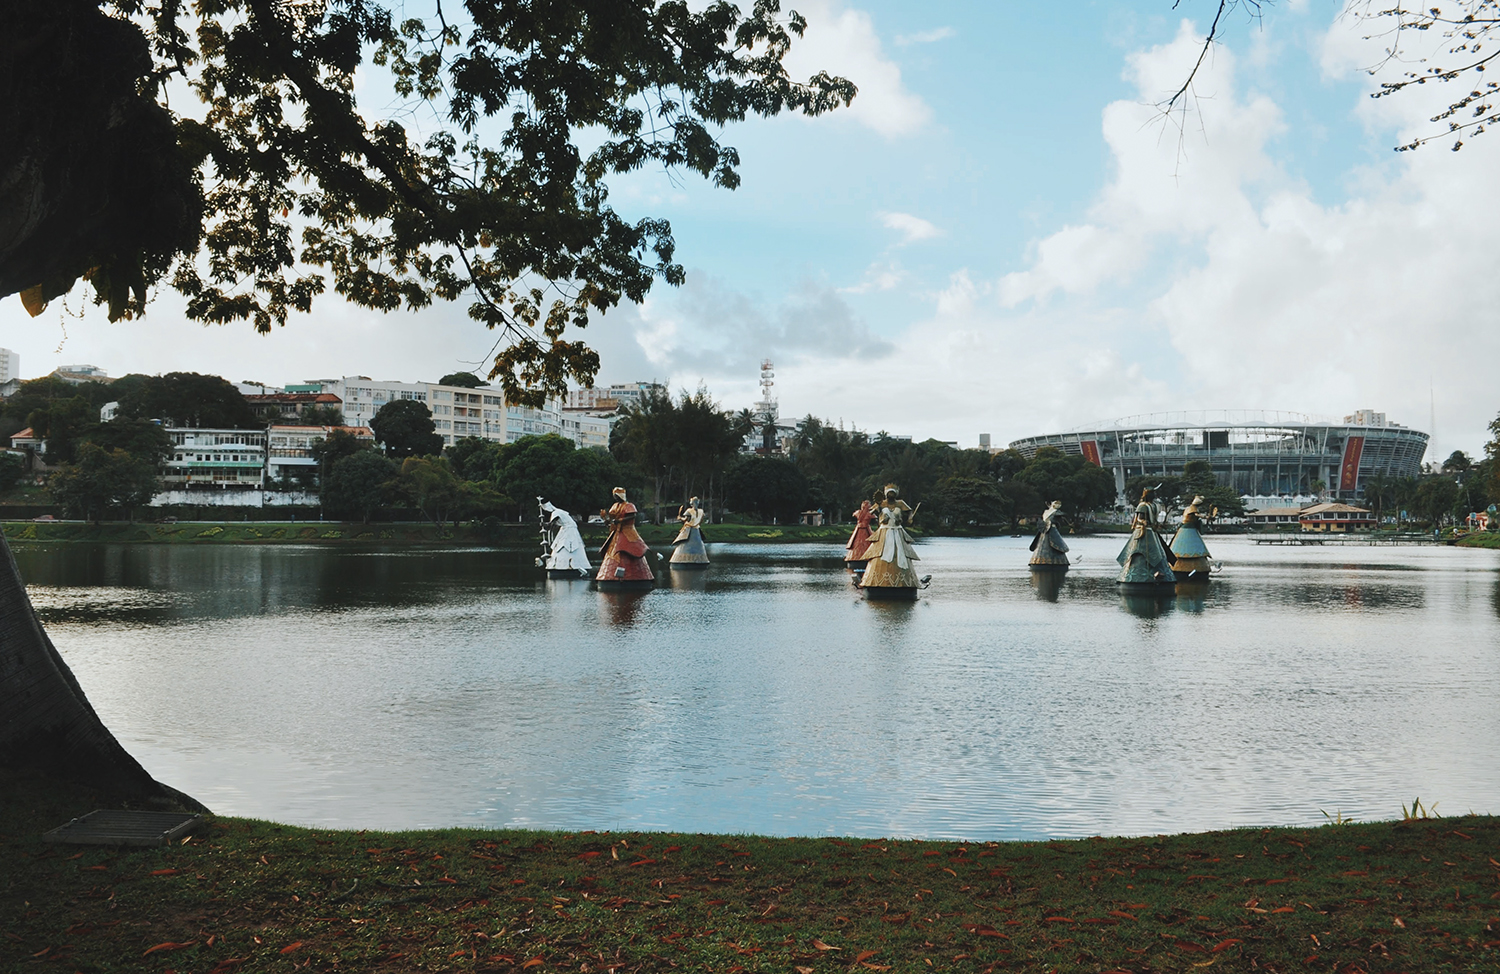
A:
(405, 688)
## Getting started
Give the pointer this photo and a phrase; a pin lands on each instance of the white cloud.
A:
(925, 36)
(911, 228)
(842, 40)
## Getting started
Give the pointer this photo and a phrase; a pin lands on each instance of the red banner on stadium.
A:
(1091, 452)
(1349, 471)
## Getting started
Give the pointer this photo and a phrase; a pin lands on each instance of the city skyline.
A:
(1006, 245)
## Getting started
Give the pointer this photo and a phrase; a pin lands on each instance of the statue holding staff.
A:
(1049, 552)
(687, 548)
(1143, 560)
(623, 556)
(890, 560)
(564, 554)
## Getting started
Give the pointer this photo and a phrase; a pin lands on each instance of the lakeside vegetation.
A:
(242, 895)
(507, 534)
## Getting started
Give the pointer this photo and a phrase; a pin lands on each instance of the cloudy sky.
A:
(1003, 236)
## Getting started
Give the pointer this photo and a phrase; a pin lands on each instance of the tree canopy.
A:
(282, 188)
(187, 399)
(406, 429)
(466, 380)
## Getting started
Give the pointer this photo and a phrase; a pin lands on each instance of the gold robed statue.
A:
(890, 560)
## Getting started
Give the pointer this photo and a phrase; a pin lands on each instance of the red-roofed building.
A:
(277, 407)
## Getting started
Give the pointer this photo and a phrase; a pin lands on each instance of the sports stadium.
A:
(1259, 453)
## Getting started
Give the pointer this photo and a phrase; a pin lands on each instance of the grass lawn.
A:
(1480, 539)
(246, 896)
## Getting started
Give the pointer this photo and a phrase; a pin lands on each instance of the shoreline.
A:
(242, 894)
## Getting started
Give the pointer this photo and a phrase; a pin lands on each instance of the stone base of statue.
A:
(889, 593)
(624, 584)
(1048, 566)
(1191, 569)
(567, 573)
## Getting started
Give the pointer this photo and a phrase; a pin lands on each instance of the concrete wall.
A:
(235, 498)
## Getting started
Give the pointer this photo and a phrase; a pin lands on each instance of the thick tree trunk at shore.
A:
(46, 722)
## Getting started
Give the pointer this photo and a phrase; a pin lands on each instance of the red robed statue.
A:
(623, 557)
(860, 539)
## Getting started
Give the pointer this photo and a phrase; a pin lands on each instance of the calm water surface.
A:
(404, 688)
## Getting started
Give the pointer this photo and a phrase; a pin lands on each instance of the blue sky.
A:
(1001, 236)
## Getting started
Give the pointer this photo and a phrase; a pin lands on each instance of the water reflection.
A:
(406, 688)
(1192, 596)
(622, 608)
(687, 579)
(1149, 605)
(1047, 584)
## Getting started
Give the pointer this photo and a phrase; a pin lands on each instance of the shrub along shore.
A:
(508, 534)
(243, 895)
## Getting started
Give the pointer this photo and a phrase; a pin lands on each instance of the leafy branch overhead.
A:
(1465, 29)
(496, 200)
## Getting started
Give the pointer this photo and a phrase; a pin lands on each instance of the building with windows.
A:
(215, 459)
(289, 453)
(457, 411)
(1336, 518)
(79, 374)
(10, 365)
(604, 398)
(1273, 455)
(277, 407)
(587, 429)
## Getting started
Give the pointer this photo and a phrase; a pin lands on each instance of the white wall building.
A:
(458, 411)
(289, 456)
(10, 365)
(215, 459)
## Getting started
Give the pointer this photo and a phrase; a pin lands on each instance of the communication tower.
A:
(767, 407)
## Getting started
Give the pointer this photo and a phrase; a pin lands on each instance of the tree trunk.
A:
(46, 722)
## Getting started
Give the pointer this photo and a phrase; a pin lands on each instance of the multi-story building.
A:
(274, 407)
(223, 458)
(615, 396)
(10, 365)
(587, 429)
(289, 456)
(457, 411)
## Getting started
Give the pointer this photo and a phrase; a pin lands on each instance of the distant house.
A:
(1272, 516)
(28, 440)
(1336, 518)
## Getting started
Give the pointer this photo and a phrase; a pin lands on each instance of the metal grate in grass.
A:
(106, 827)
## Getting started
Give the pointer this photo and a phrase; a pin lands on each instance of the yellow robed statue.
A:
(890, 560)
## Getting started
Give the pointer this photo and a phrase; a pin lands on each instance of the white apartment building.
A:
(10, 365)
(587, 429)
(215, 458)
(364, 396)
(457, 411)
(289, 456)
(612, 397)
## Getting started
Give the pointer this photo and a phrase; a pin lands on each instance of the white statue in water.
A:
(565, 552)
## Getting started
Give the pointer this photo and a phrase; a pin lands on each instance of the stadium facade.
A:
(1259, 453)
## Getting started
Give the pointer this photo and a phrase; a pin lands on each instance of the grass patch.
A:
(1480, 539)
(254, 896)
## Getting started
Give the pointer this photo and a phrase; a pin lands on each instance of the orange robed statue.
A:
(623, 557)
(859, 540)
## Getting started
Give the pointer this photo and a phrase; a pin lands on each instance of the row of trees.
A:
(688, 446)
